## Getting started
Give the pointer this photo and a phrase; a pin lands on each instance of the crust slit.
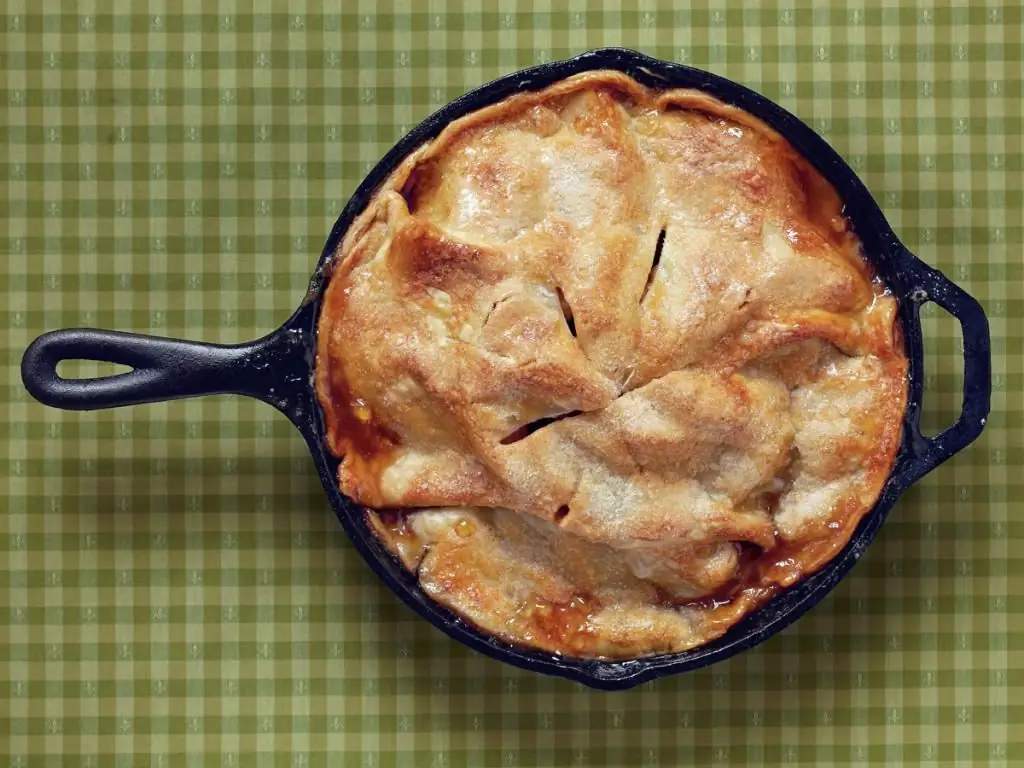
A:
(658, 248)
(523, 432)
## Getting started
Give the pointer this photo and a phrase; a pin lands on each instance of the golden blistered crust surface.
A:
(611, 364)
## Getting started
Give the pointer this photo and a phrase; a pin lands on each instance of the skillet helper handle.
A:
(164, 369)
(929, 452)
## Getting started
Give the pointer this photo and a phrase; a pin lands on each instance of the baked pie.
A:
(607, 369)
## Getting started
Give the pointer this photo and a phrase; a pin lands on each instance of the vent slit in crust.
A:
(528, 429)
(570, 319)
(654, 264)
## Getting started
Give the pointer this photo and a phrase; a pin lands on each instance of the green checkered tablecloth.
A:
(174, 590)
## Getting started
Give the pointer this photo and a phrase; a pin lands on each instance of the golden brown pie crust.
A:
(611, 367)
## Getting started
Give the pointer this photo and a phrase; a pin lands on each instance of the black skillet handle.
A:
(274, 369)
(927, 285)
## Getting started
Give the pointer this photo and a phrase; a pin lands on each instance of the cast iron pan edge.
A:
(277, 369)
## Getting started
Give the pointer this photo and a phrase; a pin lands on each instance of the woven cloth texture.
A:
(174, 588)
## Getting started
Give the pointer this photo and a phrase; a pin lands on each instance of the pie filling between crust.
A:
(607, 369)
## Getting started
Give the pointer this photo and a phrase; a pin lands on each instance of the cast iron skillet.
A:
(278, 370)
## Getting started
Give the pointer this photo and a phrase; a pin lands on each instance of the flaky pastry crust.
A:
(610, 367)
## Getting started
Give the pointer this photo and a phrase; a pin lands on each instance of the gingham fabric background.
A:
(174, 590)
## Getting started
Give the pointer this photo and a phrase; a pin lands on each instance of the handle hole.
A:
(943, 369)
(90, 369)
